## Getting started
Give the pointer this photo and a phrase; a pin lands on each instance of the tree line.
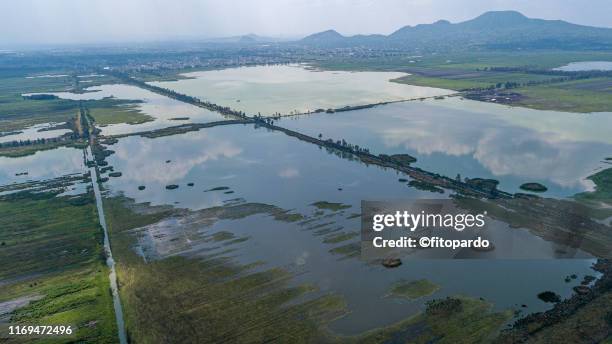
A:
(561, 76)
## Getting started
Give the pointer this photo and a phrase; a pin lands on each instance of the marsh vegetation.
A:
(232, 220)
(59, 270)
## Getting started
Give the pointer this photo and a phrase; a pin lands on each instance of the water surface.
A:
(261, 166)
(42, 165)
(476, 139)
(34, 133)
(586, 65)
(164, 110)
(294, 88)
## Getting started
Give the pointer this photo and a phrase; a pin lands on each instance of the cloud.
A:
(143, 160)
(538, 156)
(503, 149)
(42, 165)
(289, 172)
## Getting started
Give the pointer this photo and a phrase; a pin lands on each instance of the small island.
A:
(391, 262)
(324, 205)
(533, 187)
(549, 297)
(218, 188)
(401, 159)
(413, 289)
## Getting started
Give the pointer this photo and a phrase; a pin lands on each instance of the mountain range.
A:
(495, 30)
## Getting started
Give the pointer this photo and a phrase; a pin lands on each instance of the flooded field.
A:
(255, 196)
(294, 88)
(35, 132)
(244, 201)
(475, 139)
(165, 112)
(199, 172)
(42, 165)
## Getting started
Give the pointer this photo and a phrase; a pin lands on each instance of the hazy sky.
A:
(90, 21)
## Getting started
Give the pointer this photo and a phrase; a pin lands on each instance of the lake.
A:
(451, 136)
(163, 109)
(240, 164)
(586, 65)
(475, 139)
(38, 131)
(294, 88)
(42, 165)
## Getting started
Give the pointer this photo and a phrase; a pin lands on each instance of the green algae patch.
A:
(413, 289)
(323, 205)
(286, 216)
(222, 236)
(339, 237)
(348, 250)
(353, 216)
(129, 114)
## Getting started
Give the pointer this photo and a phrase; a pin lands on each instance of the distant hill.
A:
(325, 38)
(492, 30)
(250, 38)
(245, 39)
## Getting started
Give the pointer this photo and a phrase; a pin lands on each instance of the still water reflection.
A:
(294, 88)
(256, 165)
(474, 139)
(165, 111)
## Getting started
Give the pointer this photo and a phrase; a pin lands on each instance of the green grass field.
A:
(51, 251)
(19, 151)
(601, 197)
(593, 319)
(447, 321)
(467, 70)
(449, 84)
(118, 114)
(18, 113)
(413, 289)
(464, 61)
(570, 96)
